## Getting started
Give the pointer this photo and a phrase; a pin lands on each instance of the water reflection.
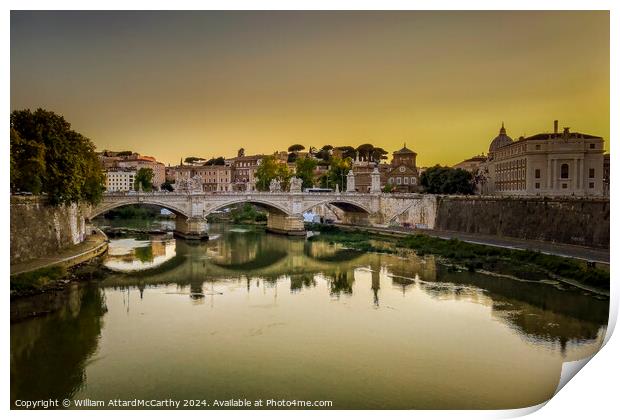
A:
(287, 313)
(49, 355)
(130, 254)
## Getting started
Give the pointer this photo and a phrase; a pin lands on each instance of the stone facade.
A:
(38, 230)
(577, 221)
(549, 164)
(119, 180)
(403, 175)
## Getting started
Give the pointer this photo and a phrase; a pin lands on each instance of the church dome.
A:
(500, 141)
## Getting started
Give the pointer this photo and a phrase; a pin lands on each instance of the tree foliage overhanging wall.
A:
(48, 157)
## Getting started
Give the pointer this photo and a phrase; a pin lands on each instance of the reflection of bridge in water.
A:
(536, 311)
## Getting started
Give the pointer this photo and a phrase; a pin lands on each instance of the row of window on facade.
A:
(564, 172)
(404, 180)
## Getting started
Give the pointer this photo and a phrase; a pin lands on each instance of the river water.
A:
(254, 316)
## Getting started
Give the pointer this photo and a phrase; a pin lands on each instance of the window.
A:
(398, 180)
(537, 185)
(414, 181)
(591, 184)
(538, 147)
(402, 169)
(564, 171)
(405, 180)
(537, 173)
(592, 145)
(591, 173)
(564, 186)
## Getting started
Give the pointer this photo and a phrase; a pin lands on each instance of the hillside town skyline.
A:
(554, 162)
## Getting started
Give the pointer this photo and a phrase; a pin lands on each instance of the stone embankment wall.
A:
(577, 221)
(38, 230)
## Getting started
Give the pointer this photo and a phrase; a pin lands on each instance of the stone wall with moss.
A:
(38, 230)
(576, 221)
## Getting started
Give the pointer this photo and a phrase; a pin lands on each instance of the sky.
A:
(205, 83)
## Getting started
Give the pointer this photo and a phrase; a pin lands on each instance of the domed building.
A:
(500, 141)
(558, 163)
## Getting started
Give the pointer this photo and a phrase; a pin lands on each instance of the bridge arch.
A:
(270, 206)
(105, 207)
(343, 204)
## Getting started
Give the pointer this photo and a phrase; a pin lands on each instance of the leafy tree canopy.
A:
(193, 159)
(144, 180)
(304, 169)
(48, 157)
(337, 173)
(444, 180)
(270, 168)
(125, 153)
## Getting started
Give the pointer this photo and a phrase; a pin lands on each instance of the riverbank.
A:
(519, 263)
(55, 271)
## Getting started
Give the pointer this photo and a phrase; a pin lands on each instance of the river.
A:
(256, 316)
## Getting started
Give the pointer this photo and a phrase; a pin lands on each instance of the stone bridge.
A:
(285, 210)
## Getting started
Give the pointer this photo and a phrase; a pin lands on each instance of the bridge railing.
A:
(261, 193)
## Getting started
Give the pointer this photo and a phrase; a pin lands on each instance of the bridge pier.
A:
(191, 228)
(285, 225)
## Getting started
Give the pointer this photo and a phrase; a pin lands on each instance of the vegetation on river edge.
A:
(55, 277)
(524, 264)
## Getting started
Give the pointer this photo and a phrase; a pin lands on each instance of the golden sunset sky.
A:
(178, 84)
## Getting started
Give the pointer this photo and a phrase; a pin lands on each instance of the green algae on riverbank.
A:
(524, 264)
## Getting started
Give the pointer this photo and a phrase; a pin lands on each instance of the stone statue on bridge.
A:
(191, 185)
(295, 185)
(275, 185)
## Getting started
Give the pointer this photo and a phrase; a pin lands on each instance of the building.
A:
(112, 161)
(139, 162)
(554, 164)
(244, 171)
(362, 170)
(472, 164)
(214, 177)
(119, 180)
(403, 175)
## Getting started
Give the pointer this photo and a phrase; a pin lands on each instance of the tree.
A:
(327, 147)
(48, 157)
(304, 169)
(144, 180)
(27, 164)
(270, 168)
(292, 157)
(444, 180)
(347, 152)
(364, 151)
(378, 154)
(124, 153)
(296, 148)
(167, 186)
(193, 159)
(323, 155)
(337, 173)
(388, 188)
(216, 161)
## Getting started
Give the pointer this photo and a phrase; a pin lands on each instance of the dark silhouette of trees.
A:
(216, 161)
(296, 148)
(444, 180)
(167, 186)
